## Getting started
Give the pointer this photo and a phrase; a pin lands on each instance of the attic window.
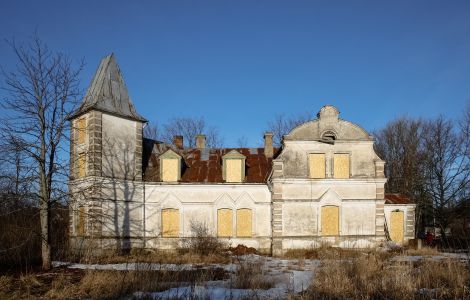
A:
(329, 136)
(170, 166)
(233, 167)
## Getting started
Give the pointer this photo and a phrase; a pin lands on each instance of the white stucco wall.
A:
(362, 157)
(199, 203)
(118, 149)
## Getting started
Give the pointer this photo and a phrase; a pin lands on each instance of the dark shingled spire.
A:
(108, 92)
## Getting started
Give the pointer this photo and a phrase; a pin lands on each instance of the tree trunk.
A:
(45, 243)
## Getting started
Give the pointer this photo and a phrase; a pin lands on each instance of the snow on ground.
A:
(215, 291)
(288, 275)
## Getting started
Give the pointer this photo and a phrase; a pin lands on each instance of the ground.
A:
(324, 273)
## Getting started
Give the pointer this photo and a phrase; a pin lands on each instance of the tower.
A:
(106, 134)
(105, 162)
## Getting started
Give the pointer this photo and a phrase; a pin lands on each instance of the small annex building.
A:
(324, 185)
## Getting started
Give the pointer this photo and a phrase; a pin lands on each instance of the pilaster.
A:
(94, 126)
(138, 152)
(277, 204)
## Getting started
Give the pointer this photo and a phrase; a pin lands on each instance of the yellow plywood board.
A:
(244, 222)
(396, 226)
(81, 130)
(81, 165)
(224, 222)
(81, 221)
(170, 169)
(341, 166)
(330, 220)
(317, 165)
(170, 222)
(233, 170)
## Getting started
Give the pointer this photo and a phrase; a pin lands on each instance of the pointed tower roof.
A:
(108, 92)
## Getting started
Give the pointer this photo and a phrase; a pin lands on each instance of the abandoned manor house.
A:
(324, 185)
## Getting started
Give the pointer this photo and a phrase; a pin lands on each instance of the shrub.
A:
(202, 241)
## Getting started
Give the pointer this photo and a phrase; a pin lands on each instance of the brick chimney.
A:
(200, 141)
(178, 141)
(268, 144)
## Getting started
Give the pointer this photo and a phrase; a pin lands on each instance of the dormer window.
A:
(170, 166)
(233, 167)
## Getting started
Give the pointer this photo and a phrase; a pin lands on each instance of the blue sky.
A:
(239, 63)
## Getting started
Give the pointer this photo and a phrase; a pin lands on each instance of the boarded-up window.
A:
(396, 226)
(224, 222)
(330, 220)
(233, 170)
(170, 222)
(244, 222)
(81, 130)
(81, 165)
(341, 166)
(81, 221)
(317, 165)
(170, 169)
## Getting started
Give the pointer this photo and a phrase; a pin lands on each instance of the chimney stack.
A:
(268, 144)
(178, 141)
(200, 141)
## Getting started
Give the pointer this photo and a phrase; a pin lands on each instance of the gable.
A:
(328, 123)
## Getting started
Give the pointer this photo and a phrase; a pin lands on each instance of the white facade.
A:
(325, 185)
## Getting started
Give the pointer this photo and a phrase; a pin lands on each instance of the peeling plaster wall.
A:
(362, 157)
(199, 203)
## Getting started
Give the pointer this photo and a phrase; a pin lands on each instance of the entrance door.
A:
(396, 226)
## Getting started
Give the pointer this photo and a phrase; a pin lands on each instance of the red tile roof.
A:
(205, 165)
(396, 199)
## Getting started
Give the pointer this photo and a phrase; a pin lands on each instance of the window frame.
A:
(238, 224)
(349, 165)
(177, 231)
(310, 166)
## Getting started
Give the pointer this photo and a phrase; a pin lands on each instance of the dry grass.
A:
(328, 252)
(424, 251)
(96, 284)
(251, 275)
(372, 277)
(157, 256)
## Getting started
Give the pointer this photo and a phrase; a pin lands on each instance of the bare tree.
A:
(189, 128)
(282, 125)
(400, 143)
(40, 94)
(242, 142)
(151, 131)
(447, 173)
